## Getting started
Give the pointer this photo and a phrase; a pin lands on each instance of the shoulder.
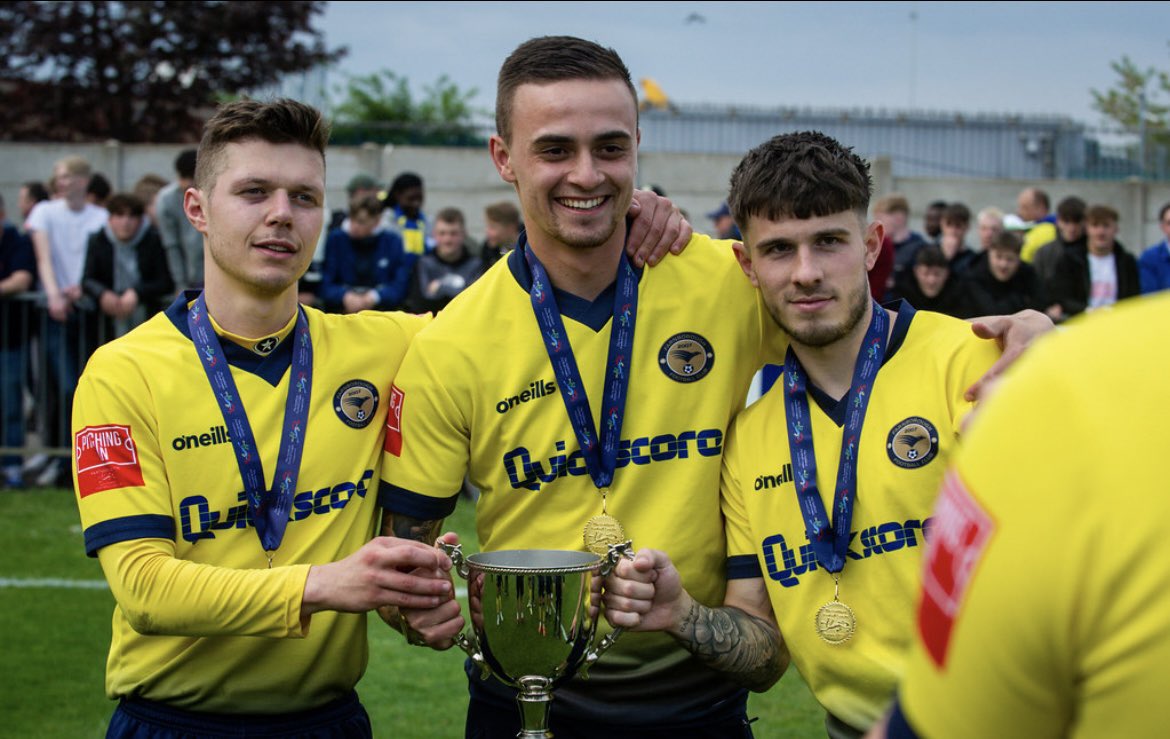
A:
(146, 351)
(372, 328)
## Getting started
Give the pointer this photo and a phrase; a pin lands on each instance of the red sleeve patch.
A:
(106, 459)
(393, 443)
(959, 533)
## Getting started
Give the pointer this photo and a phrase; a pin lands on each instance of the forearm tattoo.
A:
(405, 527)
(747, 649)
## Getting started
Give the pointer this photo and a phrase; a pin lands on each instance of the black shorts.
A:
(142, 719)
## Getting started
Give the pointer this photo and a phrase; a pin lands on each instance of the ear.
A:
(875, 233)
(501, 158)
(744, 257)
(194, 202)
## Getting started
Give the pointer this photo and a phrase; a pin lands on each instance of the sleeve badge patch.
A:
(106, 459)
(959, 532)
(393, 443)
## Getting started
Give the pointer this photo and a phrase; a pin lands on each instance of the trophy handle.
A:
(455, 552)
(470, 645)
(616, 553)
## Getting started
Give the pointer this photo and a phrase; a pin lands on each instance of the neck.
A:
(247, 315)
(582, 272)
(75, 202)
(1100, 251)
(830, 367)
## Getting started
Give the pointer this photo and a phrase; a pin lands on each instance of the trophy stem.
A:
(534, 699)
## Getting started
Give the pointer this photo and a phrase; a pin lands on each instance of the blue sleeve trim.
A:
(899, 726)
(145, 526)
(743, 567)
(394, 499)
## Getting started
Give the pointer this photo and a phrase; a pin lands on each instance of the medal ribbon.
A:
(599, 453)
(830, 543)
(269, 506)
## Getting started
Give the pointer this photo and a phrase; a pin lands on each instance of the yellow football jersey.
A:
(154, 463)
(1044, 608)
(910, 430)
(477, 395)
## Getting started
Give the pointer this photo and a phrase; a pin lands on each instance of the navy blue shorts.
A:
(488, 720)
(142, 719)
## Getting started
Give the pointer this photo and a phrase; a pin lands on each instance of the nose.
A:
(280, 208)
(585, 173)
(806, 268)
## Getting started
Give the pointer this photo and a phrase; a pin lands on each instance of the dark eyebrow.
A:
(841, 233)
(266, 183)
(562, 140)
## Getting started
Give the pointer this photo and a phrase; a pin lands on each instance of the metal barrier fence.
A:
(40, 361)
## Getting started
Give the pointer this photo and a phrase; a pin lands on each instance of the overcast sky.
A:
(992, 57)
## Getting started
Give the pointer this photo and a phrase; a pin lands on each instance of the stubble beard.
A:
(817, 335)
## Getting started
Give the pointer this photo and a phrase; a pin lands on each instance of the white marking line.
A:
(52, 582)
(57, 582)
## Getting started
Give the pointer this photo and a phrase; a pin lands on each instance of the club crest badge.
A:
(912, 443)
(686, 357)
(356, 403)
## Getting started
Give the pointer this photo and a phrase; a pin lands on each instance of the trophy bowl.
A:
(531, 625)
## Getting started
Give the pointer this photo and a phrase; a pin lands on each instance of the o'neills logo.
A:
(535, 390)
(106, 459)
(213, 435)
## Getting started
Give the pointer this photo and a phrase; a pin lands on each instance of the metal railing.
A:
(40, 362)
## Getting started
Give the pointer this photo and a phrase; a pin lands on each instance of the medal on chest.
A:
(834, 622)
(599, 447)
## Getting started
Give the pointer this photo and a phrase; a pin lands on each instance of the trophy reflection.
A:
(530, 619)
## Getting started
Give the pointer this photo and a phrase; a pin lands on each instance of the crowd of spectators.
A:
(81, 264)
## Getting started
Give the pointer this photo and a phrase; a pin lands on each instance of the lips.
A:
(277, 245)
(581, 203)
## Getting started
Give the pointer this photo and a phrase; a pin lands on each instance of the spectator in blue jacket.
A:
(1154, 263)
(365, 267)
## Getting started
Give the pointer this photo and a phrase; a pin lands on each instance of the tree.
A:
(1124, 103)
(379, 107)
(143, 71)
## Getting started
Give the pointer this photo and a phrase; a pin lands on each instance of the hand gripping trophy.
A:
(531, 621)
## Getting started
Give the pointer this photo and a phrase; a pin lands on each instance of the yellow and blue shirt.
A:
(477, 396)
(155, 474)
(910, 431)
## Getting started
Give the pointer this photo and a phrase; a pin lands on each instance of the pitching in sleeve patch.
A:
(106, 459)
(393, 443)
(960, 530)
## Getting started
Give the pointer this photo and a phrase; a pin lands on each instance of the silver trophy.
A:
(531, 625)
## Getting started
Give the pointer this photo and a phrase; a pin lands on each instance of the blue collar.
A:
(270, 368)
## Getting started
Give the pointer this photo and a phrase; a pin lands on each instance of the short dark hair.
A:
(1163, 211)
(503, 213)
(185, 163)
(125, 203)
(282, 121)
(939, 205)
(1007, 241)
(402, 183)
(554, 59)
(1071, 210)
(956, 213)
(930, 255)
(799, 175)
(451, 215)
(36, 190)
(1101, 214)
(368, 204)
(99, 186)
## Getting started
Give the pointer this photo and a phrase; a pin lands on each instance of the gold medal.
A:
(835, 622)
(601, 532)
